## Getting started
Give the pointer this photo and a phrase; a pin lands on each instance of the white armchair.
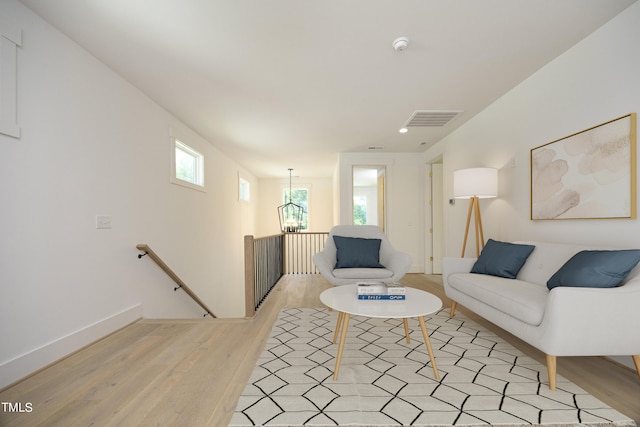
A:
(396, 264)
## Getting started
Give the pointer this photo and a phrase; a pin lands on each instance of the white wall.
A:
(404, 199)
(92, 144)
(595, 81)
(320, 203)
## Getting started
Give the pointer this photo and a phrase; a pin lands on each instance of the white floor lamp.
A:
(475, 184)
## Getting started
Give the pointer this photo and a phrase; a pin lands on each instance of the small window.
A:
(10, 40)
(188, 166)
(244, 189)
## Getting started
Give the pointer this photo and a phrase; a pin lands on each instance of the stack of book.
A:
(381, 291)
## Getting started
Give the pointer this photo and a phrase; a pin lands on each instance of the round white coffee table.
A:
(344, 299)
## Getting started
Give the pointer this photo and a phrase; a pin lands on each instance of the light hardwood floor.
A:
(191, 372)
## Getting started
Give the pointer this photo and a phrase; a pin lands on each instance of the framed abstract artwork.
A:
(588, 175)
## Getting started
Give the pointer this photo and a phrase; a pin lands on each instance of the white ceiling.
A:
(284, 84)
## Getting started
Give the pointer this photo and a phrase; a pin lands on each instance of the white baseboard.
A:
(30, 362)
(624, 360)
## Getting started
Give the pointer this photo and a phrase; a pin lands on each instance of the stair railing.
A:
(299, 249)
(181, 285)
(263, 267)
(267, 259)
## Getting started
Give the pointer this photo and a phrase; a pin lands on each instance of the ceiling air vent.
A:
(431, 118)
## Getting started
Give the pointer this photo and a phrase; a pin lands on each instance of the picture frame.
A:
(590, 174)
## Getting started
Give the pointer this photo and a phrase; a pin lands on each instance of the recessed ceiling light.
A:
(403, 130)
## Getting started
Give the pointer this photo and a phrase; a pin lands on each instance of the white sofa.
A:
(564, 321)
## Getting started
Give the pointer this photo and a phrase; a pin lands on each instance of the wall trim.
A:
(28, 363)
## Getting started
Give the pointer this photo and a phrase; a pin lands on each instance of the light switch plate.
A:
(103, 221)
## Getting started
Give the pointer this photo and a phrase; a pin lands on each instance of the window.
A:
(10, 40)
(244, 189)
(299, 196)
(359, 210)
(188, 166)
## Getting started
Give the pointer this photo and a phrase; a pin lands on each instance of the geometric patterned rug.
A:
(384, 381)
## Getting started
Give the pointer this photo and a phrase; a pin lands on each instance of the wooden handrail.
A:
(181, 285)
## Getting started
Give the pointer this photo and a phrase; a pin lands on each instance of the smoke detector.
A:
(400, 43)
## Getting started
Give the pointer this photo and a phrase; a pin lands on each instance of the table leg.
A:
(335, 335)
(345, 325)
(427, 342)
(406, 330)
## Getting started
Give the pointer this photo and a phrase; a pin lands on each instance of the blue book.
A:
(381, 296)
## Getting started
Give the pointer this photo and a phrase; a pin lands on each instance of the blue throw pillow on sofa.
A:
(596, 269)
(502, 259)
(356, 252)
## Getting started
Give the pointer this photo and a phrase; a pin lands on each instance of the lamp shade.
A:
(475, 182)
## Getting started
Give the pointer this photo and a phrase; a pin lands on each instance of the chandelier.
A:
(290, 214)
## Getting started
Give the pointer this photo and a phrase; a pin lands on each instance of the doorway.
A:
(434, 219)
(369, 195)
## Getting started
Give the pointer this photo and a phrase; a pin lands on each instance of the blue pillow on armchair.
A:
(356, 252)
(595, 269)
(502, 259)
